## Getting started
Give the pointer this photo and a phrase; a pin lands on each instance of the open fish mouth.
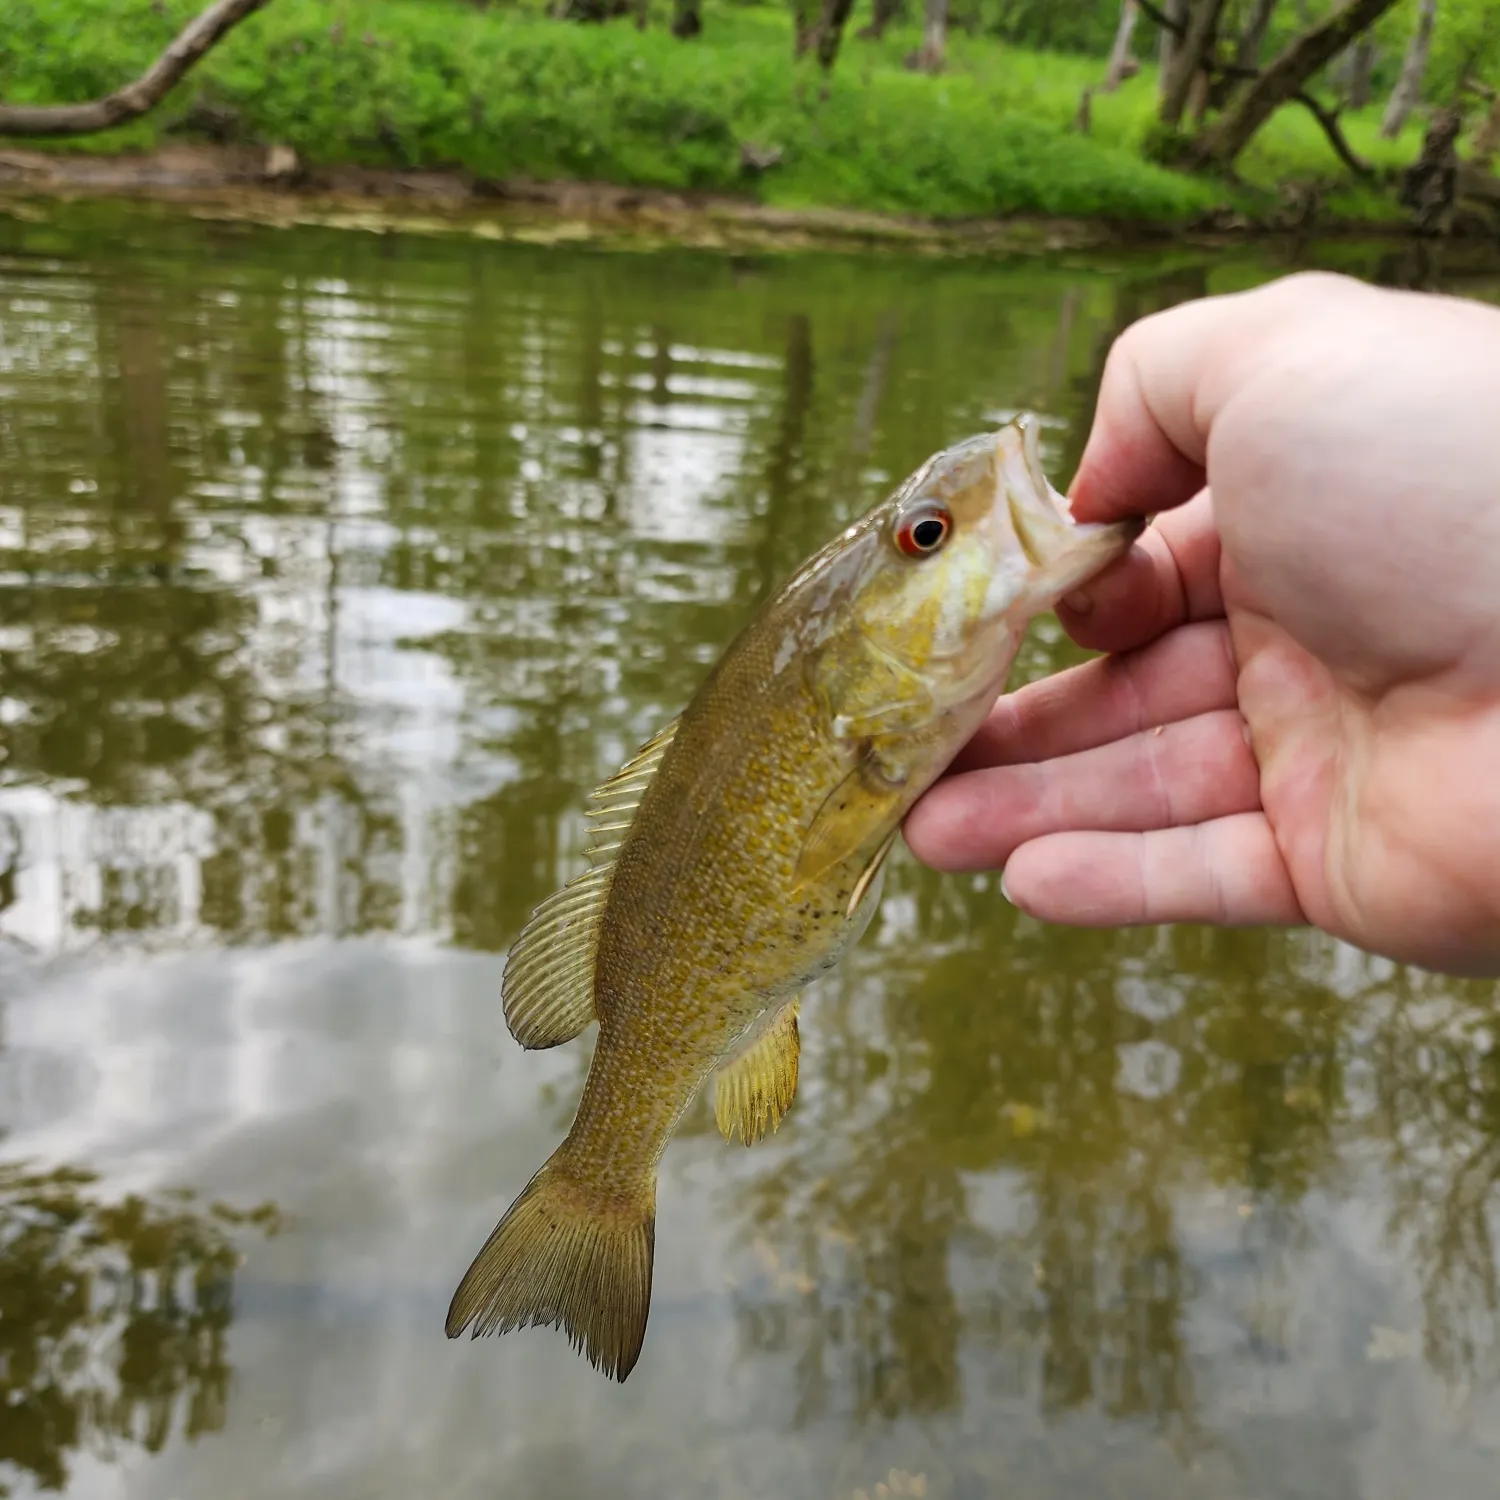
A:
(1059, 548)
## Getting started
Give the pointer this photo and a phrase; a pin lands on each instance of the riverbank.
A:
(275, 187)
(371, 96)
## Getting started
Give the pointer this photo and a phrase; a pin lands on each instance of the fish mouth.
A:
(1062, 552)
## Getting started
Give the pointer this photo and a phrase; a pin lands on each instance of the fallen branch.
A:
(136, 98)
(1329, 120)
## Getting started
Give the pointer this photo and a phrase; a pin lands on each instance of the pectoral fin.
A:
(865, 886)
(755, 1088)
(851, 817)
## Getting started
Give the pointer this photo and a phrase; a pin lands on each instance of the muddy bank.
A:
(272, 186)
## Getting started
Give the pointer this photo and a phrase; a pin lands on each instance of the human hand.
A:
(1302, 723)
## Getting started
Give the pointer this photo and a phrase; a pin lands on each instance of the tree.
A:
(1285, 78)
(1173, 23)
(1487, 137)
(934, 50)
(886, 11)
(1252, 39)
(1119, 55)
(1409, 85)
(820, 28)
(1357, 70)
(134, 99)
(1190, 59)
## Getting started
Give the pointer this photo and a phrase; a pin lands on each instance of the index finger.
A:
(1165, 381)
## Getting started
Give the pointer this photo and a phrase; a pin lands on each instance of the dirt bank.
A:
(274, 187)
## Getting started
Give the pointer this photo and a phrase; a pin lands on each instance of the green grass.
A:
(508, 93)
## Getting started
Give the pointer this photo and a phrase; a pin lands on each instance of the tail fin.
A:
(557, 1258)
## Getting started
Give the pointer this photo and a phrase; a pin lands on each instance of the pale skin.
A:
(1300, 720)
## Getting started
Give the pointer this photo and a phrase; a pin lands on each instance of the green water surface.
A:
(335, 568)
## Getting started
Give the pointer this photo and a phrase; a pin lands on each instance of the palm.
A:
(1214, 769)
(1333, 605)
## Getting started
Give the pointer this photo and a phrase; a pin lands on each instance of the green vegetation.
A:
(509, 93)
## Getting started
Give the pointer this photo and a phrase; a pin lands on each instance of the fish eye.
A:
(923, 529)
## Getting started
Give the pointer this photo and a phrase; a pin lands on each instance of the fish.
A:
(741, 852)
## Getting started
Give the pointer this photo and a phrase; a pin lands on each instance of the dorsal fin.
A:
(548, 987)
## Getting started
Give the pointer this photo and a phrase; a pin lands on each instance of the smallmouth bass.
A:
(742, 851)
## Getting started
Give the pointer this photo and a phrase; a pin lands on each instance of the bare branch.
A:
(1212, 64)
(1161, 18)
(1329, 120)
(1284, 77)
(135, 98)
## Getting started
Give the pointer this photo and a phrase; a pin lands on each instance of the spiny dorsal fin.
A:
(548, 988)
(756, 1086)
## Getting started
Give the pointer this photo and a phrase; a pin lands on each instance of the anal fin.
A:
(754, 1089)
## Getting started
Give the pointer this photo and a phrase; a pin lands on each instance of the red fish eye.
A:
(923, 530)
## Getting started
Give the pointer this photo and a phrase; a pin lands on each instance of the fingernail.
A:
(1079, 601)
(1003, 891)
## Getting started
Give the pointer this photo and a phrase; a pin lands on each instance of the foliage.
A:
(507, 93)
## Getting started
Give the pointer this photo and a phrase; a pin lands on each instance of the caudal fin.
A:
(559, 1259)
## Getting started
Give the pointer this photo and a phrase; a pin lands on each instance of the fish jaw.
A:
(1061, 553)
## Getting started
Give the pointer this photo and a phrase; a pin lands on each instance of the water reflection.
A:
(333, 570)
(114, 1319)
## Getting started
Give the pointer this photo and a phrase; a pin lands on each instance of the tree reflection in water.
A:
(327, 597)
(114, 1318)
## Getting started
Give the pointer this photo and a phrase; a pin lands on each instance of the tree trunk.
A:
(805, 22)
(687, 18)
(1409, 85)
(831, 30)
(1247, 54)
(1284, 77)
(1169, 41)
(1187, 61)
(1119, 55)
(1487, 137)
(886, 11)
(1361, 63)
(934, 36)
(592, 11)
(136, 98)
(1198, 98)
(1427, 186)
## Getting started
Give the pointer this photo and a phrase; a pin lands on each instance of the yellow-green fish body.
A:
(741, 852)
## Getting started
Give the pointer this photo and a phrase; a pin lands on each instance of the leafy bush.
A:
(506, 93)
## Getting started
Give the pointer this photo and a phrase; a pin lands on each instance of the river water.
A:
(335, 568)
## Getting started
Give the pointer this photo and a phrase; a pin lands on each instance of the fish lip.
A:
(1061, 552)
(1032, 516)
(1129, 528)
(1031, 456)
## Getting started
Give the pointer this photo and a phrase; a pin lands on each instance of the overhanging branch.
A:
(136, 98)
(1161, 18)
(1329, 120)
